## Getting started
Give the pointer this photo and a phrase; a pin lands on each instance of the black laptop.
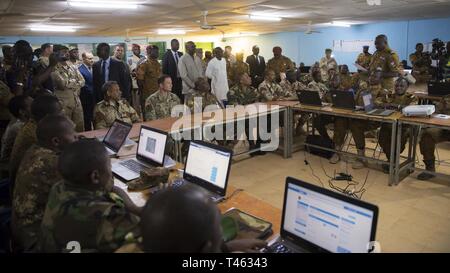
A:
(208, 166)
(316, 219)
(309, 97)
(343, 99)
(439, 88)
(116, 137)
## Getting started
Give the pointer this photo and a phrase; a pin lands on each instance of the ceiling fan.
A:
(310, 29)
(204, 24)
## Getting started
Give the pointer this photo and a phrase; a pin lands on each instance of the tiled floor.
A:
(414, 216)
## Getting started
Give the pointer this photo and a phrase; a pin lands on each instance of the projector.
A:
(418, 110)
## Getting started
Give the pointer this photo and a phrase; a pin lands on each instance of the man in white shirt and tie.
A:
(217, 72)
(87, 92)
(170, 67)
(257, 66)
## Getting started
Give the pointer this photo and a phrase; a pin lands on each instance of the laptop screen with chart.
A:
(327, 221)
(206, 164)
(152, 145)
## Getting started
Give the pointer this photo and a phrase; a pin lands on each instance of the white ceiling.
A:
(16, 16)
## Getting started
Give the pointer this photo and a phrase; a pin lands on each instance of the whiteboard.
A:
(351, 45)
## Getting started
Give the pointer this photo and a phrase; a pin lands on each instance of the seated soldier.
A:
(421, 63)
(397, 101)
(36, 175)
(238, 68)
(113, 107)
(85, 206)
(191, 224)
(20, 109)
(202, 97)
(270, 90)
(243, 94)
(159, 104)
(347, 82)
(359, 127)
(321, 121)
(430, 138)
(42, 106)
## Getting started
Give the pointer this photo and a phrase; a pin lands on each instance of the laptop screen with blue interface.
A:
(327, 222)
(208, 164)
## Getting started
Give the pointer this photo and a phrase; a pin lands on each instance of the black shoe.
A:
(425, 176)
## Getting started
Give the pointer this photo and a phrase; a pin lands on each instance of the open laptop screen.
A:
(117, 135)
(206, 164)
(328, 220)
(152, 145)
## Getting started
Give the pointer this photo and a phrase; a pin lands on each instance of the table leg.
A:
(397, 154)
(392, 157)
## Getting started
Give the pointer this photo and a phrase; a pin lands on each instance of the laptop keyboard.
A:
(277, 247)
(133, 165)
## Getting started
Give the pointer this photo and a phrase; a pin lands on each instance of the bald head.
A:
(182, 219)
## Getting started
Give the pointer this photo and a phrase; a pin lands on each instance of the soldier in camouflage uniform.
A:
(238, 69)
(202, 91)
(360, 127)
(430, 137)
(321, 121)
(396, 101)
(386, 60)
(347, 82)
(326, 63)
(5, 97)
(67, 84)
(147, 74)
(36, 175)
(421, 63)
(113, 107)
(86, 207)
(279, 63)
(41, 106)
(243, 94)
(270, 90)
(159, 105)
(364, 58)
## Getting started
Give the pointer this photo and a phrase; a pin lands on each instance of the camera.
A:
(438, 49)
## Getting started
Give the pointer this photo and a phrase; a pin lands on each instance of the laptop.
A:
(439, 88)
(309, 97)
(208, 166)
(316, 219)
(369, 107)
(343, 99)
(150, 153)
(116, 136)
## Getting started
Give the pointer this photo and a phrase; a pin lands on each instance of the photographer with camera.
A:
(440, 54)
(421, 62)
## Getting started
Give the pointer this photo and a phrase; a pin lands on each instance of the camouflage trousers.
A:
(384, 138)
(358, 129)
(429, 138)
(72, 108)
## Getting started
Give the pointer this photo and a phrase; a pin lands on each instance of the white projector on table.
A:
(418, 110)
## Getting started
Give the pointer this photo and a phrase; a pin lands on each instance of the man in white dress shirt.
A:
(217, 72)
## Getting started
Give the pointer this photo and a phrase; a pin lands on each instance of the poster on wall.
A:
(351, 45)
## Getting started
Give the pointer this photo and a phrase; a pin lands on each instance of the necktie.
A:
(104, 71)
(176, 57)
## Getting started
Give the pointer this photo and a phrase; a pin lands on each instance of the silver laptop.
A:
(150, 153)
(316, 219)
(208, 166)
(369, 107)
(116, 137)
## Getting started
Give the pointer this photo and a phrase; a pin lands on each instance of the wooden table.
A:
(416, 124)
(337, 112)
(241, 200)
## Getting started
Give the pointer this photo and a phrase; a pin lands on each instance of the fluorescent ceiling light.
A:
(53, 28)
(340, 24)
(264, 17)
(171, 32)
(106, 4)
(241, 34)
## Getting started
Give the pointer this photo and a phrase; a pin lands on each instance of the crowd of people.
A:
(57, 187)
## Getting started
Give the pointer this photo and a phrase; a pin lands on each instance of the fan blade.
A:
(219, 25)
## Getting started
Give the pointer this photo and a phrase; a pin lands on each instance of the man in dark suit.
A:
(109, 69)
(257, 66)
(87, 92)
(170, 67)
